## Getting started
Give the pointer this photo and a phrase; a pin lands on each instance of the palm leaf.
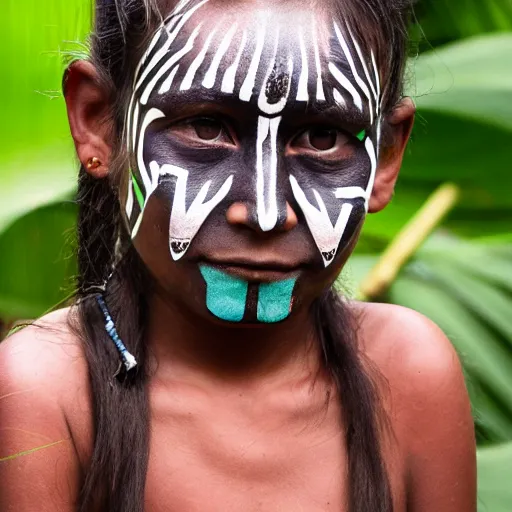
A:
(494, 470)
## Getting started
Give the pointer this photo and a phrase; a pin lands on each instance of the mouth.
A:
(257, 271)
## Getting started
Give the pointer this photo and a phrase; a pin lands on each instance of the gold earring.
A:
(93, 163)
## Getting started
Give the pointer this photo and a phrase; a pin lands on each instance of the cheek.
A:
(180, 281)
(334, 202)
(190, 190)
(152, 240)
(324, 277)
(332, 215)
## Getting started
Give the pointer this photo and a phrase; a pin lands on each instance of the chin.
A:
(235, 300)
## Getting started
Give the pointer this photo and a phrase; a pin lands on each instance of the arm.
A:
(39, 469)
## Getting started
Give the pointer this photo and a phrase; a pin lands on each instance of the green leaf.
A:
(36, 262)
(487, 302)
(38, 165)
(483, 354)
(489, 260)
(450, 148)
(386, 224)
(442, 21)
(471, 79)
(33, 44)
(494, 471)
(34, 179)
(463, 129)
(356, 269)
(490, 418)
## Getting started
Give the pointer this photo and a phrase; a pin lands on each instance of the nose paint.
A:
(226, 297)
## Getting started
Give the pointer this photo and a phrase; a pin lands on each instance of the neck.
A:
(189, 346)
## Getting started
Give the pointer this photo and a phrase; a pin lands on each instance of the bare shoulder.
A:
(43, 375)
(43, 380)
(45, 356)
(427, 402)
(405, 343)
(414, 356)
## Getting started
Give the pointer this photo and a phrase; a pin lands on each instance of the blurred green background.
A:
(458, 272)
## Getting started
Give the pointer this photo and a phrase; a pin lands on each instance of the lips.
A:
(257, 271)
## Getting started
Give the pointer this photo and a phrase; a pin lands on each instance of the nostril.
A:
(237, 214)
(291, 218)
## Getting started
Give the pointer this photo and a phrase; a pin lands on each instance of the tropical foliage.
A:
(461, 276)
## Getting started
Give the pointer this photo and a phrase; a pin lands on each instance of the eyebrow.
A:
(349, 113)
(198, 101)
(178, 103)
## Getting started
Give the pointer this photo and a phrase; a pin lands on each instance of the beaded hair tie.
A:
(128, 360)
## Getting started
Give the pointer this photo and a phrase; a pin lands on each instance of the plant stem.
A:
(408, 240)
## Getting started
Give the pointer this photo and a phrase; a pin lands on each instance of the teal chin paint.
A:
(275, 300)
(225, 295)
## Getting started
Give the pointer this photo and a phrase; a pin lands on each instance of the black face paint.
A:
(272, 74)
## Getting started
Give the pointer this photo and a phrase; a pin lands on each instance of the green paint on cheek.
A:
(225, 295)
(274, 300)
(138, 191)
(361, 135)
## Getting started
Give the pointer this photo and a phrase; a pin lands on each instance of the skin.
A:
(221, 442)
(241, 425)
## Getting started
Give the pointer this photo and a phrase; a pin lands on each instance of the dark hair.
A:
(116, 475)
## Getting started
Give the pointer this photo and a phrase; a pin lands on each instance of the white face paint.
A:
(271, 69)
(185, 223)
(266, 172)
(327, 234)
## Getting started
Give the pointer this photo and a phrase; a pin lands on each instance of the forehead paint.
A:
(211, 74)
(228, 82)
(302, 93)
(255, 64)
(320, 93)
(186, 84)
(353, 68)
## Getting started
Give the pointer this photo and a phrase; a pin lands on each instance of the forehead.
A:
(271, 57)
(248, 15)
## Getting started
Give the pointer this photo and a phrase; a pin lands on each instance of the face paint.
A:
(272, 69)
(185, 223)
(226, 297)
(275, 300)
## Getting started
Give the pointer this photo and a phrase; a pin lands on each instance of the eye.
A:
(207, 128)
(322, 139)
(203, 130)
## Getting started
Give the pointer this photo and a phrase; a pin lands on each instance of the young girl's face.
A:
(253, 136)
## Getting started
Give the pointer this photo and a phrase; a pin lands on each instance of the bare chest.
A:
(233, 458)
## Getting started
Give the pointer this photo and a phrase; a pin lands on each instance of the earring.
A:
(128, 360)
(93, 163)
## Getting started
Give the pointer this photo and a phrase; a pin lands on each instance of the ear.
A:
(89, 115)
(399, 124)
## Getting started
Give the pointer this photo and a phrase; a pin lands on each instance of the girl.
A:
(230, 152)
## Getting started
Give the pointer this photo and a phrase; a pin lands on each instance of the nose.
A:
(238, 214)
